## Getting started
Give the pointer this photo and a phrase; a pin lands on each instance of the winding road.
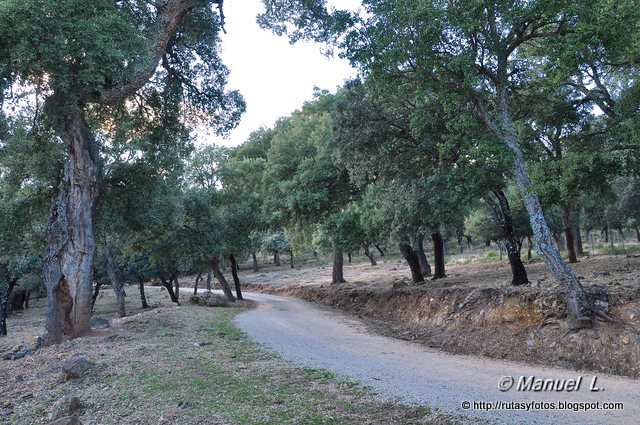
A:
(321, 338)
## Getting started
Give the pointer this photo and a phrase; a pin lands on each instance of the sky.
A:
(274, 77)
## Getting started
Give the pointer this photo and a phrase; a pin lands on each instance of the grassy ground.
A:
(189, 365)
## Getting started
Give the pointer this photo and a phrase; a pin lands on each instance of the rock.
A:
(67, 420)
(626, 340)
(19, 354)
(185, 404)
(76, 367)
(17, 348)
(6, 411)
(210, 299)
(65, 407)
(508, 316)
(100, 323)
(531, 342)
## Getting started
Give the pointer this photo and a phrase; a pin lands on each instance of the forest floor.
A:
(475, 310)
(177, 365)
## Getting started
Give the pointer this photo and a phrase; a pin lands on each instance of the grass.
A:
(193, 365)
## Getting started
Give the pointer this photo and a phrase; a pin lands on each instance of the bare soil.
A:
(475, 310)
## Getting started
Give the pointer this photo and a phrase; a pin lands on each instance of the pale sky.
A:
(274, 77)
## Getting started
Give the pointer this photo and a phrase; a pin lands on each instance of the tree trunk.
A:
(349, 256)
(529, 246)
(368, 254)
(117, 284)
(605, 230)
(96, 292)
(276, 258)
(70, 237)
(209, 280)
(337, 275)
(176, 287)
(422, 256)
(638, 234)
(579, 303)
(234, 274)
(195, 286)
(445, 246)
(4, 303)
(379, 249)
(460, 245)
(414, 264)
(568, 235)
(169, 287)
(291, 258)
(577, 237)
(502, 213)
(143, 297)
(255, 262)
(438, 252)
(215, 267)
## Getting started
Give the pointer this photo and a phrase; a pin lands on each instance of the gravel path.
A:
(317, 337)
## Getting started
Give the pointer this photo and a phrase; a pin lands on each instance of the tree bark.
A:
(368, 254)
(529, 246)
(176, 286)
(70, 237)
(621, 233)
(234, 274)
(96, 292)
(349, 256)
(577, 237)
(117, 284)
(379, 249)
(579, 304)
(422, 256)
(502, 213)
(337, 275)
(638, 233)
(169, 287)
(291, 258)
(438, 252)
(568, 235)
(255, 262)
(195, 286)
(209, 280)
(414, 264)
(143, 297)
(215, 267)
(4, 303)
(276, 258)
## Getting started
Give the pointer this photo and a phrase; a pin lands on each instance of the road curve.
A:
(318, 337)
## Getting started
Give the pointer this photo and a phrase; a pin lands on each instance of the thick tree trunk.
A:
(169, 287)
(234, 274)
(143, 297)
(70, 237)
(337, 275)
(255, 262)
(176, 287)
(215, 267)
(577, 237)
(209, 280)
(379, 249)
(414, 264)
(276, 258)
(368, 254)
(96, 292)
(4, 304)
(422, 256)
(502, 213)
(438, 252)
(579, 305)
(117, 284)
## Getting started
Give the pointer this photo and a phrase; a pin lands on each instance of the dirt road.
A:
(323, 338)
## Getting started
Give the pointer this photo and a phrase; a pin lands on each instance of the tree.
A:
(87, 58)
